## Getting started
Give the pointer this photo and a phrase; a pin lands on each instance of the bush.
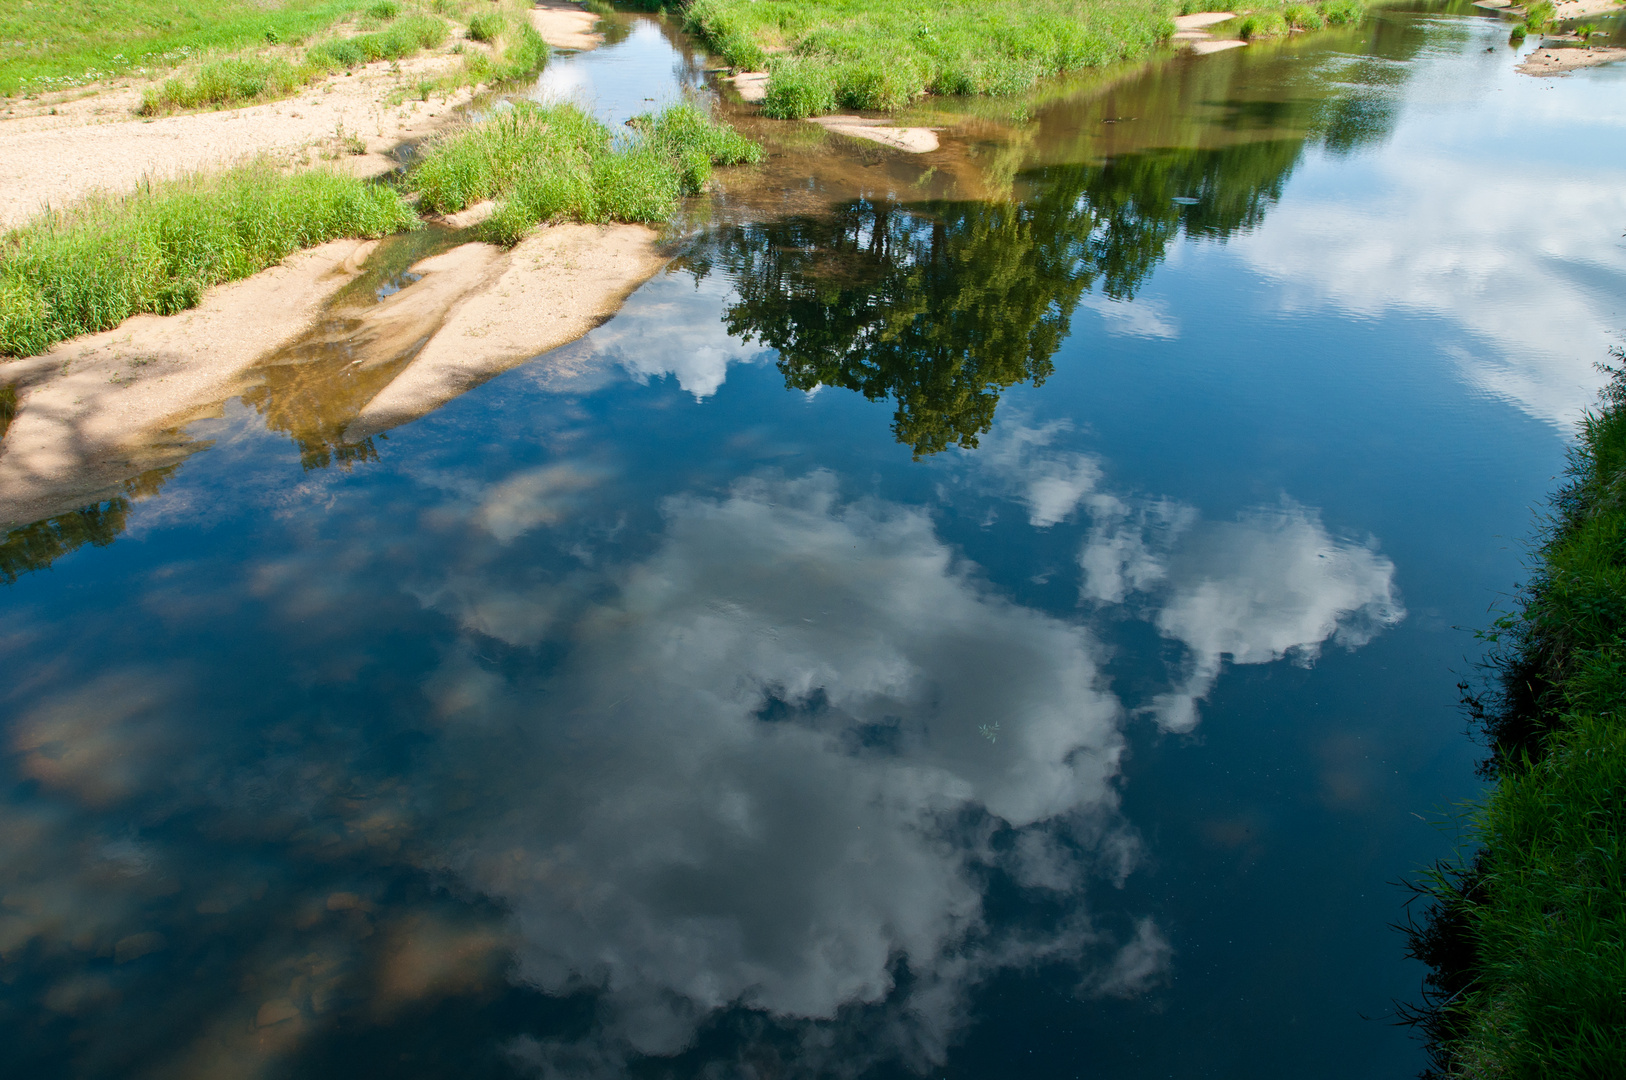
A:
(157, 249)
(404, 38)
(1265, 24)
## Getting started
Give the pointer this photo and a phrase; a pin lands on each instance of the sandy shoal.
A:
(565, 25)
(100, 410)
(97, 410)
(1558, 61)
(911, 140)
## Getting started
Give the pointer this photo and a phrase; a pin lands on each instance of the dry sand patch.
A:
(565, 25)
(95, 143)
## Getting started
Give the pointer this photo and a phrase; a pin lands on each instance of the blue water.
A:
(656, 709)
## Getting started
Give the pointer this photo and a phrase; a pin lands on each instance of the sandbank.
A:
(752, 86)
(911, 140)
(100, 409)
(552, 288)
(95, 142)
(1192, 31)
(565, 25)
(1558, 61)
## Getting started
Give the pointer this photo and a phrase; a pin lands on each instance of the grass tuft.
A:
(244, 80)
(555, 162)
(158, 248)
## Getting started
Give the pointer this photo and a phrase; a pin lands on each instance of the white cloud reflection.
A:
(1525, 255)
(1272, 584)
(771, 770)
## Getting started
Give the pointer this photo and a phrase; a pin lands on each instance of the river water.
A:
(987, 614)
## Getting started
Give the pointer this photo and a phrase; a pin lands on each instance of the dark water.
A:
(985, 615)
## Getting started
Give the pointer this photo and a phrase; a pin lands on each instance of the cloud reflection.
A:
(771, 769)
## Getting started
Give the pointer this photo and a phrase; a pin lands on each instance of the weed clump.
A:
(405, 37)
(242, 80)
(158, 248)
(225, 82)
(549, 162)
(485, 26)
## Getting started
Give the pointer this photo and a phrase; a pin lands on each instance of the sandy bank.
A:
(565, 25)
(551, 289)
(752, 86)
(1580, 9)
(100, 409)
(1558, 61)
(911, 140)
(95, 141)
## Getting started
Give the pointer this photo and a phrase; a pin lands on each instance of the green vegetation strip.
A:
(516, 51)
(546, 162)
(49, 45)
(157, 249)
(822, 55)
(1538, 975)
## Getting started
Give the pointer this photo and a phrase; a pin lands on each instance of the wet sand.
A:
(911, 140)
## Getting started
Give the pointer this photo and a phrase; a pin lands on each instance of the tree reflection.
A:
(941, 306)
(37, 546)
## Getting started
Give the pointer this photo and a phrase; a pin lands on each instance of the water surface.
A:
(991, 614)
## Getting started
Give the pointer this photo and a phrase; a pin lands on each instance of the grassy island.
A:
(1528, 938)
(822, 55)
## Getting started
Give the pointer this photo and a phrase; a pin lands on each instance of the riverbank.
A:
(1528, 940)
(825, 55)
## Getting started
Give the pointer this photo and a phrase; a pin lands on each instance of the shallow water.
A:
(978, 615)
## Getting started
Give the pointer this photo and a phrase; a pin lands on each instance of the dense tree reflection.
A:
(941, 306)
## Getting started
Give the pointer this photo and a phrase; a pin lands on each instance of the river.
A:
(982, 614)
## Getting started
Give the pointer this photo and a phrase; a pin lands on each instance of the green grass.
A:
(1545, 914)
(158, 248)
(824, 55)
(48, 45)
(241, 80)
(542, 163)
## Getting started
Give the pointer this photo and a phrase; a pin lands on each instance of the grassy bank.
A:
(1528, 941)
(824, 55)
(48, 45)
(513, 49)
(545, 162)
(158, 248)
